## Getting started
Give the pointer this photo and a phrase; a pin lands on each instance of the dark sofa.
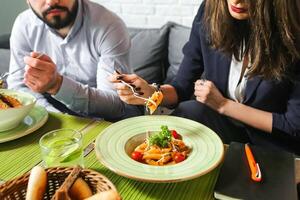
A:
(155, 53)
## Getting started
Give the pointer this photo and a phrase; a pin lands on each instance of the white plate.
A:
(33, 121)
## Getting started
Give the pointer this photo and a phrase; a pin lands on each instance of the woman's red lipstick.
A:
(238, 10)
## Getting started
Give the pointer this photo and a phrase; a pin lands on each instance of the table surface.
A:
(19, 156)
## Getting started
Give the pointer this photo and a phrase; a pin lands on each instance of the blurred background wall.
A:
(9, 10)
(135, 13)
(153, 13)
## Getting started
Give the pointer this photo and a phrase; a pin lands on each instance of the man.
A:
(67, 49)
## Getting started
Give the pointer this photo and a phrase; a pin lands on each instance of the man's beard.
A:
(57, 22)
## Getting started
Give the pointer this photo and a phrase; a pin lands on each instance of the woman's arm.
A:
(170, 95)
(181, 88)
(207, 93)
(251, 116)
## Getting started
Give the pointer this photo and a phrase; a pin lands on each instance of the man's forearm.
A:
(89, 100)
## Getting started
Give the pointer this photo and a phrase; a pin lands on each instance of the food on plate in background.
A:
(3, 105)
(7, 101)
(1, 83)
(14, 107)
(37, 184)
(162, 148)
(156, 97)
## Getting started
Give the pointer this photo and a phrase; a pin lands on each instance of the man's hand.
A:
(207, 93)
(41, 75)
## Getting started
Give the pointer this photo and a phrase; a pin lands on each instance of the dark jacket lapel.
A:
(223, 73)
(251, 86)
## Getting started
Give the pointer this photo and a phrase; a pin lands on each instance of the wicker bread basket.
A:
(16, 188)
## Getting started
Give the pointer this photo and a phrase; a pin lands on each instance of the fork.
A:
(136, 94)
(2, 76)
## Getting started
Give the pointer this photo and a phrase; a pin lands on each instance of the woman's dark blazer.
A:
(282, 98)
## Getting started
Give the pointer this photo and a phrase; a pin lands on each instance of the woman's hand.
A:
(207, 93)
(126, 93)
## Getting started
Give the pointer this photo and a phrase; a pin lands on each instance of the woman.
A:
(248, 52)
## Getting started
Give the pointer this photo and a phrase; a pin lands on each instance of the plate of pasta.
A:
(159, 148)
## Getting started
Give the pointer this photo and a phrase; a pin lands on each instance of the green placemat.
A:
(20, 155)
(199, 188)
(92, 131)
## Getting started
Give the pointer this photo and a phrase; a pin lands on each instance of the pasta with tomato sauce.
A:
(163, 148)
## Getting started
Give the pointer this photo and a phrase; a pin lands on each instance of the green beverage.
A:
(62, 147)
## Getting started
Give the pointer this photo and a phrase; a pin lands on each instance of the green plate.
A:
(113, 143)
(36, 118)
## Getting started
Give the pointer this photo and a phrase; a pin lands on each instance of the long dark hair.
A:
(270, 37)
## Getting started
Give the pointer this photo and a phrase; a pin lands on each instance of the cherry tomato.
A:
(136, 155)
(176, 135)
(179, 157)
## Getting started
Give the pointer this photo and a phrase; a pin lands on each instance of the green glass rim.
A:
(75, 132)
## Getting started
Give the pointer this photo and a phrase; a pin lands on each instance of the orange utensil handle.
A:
(254, 167)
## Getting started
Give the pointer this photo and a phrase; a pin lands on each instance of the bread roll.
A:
(80, 190)
(37, 184)
(106, 195)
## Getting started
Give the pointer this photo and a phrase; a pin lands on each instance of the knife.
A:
(88, 149)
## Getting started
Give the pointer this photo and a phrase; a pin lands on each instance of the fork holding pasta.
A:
(163, 148)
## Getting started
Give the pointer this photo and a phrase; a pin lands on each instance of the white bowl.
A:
(11, 117)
